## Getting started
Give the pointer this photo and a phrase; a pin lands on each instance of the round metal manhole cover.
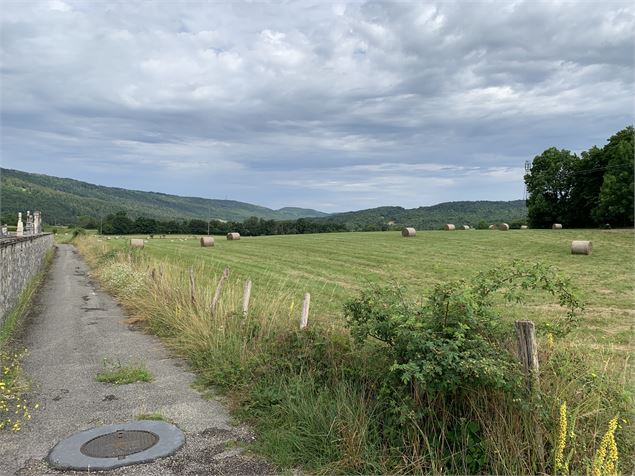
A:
(112, 446)
(119, 444)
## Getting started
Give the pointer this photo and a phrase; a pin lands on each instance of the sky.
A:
(331, 106)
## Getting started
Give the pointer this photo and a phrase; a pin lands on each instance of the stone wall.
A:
(20, 259)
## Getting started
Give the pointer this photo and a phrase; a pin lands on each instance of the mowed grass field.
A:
(320, 401)
(334, 267)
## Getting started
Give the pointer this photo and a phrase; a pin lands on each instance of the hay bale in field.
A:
(581, 247)
(503, 227)
(136, 243)
(449, 227)
(556, 226)
(233, 236)
(207, 241)
(466, 227)
(492, 227)
(524, 227)
(408, 232)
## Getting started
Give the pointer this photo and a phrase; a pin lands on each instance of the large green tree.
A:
(550, 183)
(585, 195)
(590, 190)
(616, 194)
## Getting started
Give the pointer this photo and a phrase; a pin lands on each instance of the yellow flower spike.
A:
(606, 458)
(562, 441)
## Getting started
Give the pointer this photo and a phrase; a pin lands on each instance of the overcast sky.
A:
(329, 106)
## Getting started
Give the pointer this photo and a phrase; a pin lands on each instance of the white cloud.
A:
(395, 102)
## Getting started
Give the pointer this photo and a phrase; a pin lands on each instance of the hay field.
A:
(333, 267)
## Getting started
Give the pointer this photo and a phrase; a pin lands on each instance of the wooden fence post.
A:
(304, 320)
(219, 288)
(246, 297)
(528, 354)
(192, 287)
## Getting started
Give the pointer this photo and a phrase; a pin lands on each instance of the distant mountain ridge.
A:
(472, 213)
(64, 200)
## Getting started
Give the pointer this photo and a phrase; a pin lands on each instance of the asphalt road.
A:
(72, 327)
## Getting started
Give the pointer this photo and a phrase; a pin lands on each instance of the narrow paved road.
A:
(73, 326)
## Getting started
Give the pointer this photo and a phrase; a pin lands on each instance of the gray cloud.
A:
(322, 105)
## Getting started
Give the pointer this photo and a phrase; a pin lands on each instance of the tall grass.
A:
(318, 401)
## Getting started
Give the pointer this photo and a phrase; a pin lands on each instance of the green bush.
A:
(446, 350)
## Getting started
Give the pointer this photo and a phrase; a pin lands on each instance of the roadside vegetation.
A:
(408, 363)
(120, 374)
(156, 416)
(15, 408)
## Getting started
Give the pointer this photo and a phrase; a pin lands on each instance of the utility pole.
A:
(208, 218)
(527, 170)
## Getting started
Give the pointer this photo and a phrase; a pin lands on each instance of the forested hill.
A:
(474, 214)
(68, 201)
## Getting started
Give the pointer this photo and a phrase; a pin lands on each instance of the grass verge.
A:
(15, 409)
(322, 402)
(13, 319)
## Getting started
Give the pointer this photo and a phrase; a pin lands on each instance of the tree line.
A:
(121, 224)
(589, 190)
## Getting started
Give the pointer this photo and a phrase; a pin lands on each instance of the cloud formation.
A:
(328, 106)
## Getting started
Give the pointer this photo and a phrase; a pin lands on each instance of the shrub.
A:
(445, 351)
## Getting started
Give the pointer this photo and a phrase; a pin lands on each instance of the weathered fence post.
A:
(246, 297)
(219, 288)
(192, 286)
(304, 320)
(528, 354)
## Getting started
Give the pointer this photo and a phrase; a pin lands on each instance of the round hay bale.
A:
(466, 227)
(503, 227)
(524, 227)
(207, 241)
(408, 232)
(449, 227)
(492, 227)
(581, 247)
(136, 243)
(233, 236)
(556, 226)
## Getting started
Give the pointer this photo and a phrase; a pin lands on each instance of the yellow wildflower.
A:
(605, 461)
(562, 441)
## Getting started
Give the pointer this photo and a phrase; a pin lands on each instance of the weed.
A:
(157, 416)
(119, 374)
(14, 408)
(12, 320)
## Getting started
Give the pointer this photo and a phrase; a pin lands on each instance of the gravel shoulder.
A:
(72, 327)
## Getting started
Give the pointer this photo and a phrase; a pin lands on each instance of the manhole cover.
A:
(119, 444)
(113, 446)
